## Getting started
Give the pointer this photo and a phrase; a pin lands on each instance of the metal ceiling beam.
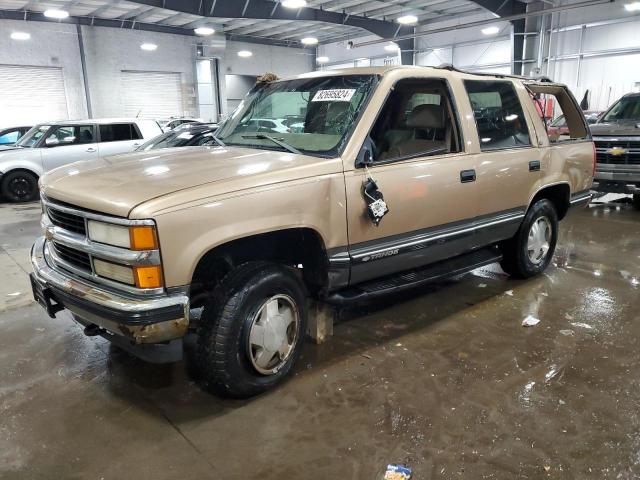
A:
(270, 10)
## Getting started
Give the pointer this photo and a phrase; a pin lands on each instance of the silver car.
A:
(51, 145)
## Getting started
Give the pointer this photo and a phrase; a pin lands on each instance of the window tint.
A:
(416, 120)
(499, 116)
(10, 137)
(71, 135)
(119, 132)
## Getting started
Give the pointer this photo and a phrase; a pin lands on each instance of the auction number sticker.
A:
(338, 95)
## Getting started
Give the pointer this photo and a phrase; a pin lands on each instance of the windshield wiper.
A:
(277, 141)
(218, 141)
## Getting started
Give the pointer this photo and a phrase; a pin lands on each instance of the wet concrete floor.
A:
(445, 380)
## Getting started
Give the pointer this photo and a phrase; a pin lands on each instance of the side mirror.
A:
(52, 142)
(365, 157)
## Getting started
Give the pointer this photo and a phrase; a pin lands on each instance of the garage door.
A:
(151, 94)
(30, 95)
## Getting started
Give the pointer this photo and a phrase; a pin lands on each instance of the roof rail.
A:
(448, 66)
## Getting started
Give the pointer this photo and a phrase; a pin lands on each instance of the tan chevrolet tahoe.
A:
(394, 177)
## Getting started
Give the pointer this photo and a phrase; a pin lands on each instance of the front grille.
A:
(75, 257)
(67, 221)
(630, 157)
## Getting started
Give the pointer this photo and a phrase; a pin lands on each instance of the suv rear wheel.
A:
(530, 251)
(19, 186)
(251, 330)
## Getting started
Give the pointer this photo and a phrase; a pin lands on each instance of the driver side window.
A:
(417, 120)
(71, 135)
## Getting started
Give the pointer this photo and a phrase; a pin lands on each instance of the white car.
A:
(170, 124)
(51, 145)
(266, 125)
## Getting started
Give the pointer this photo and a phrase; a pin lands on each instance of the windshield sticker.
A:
(340, 95)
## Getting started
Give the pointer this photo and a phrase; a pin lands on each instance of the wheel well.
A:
(559, 195)
(301, 248)
(4, 174)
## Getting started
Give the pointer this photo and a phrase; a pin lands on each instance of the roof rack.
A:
(450, 67)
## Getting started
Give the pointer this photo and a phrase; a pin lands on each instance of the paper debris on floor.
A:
(482, 285)
(397, 472)
(582, 325)
(530, 321)
(509, 292)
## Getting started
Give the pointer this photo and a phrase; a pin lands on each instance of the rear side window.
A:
(119, 132)
(498, 113)
(560, 113)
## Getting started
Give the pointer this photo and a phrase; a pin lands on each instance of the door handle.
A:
(467, 176)
(91, 150)
(137, 145)
(534, 166)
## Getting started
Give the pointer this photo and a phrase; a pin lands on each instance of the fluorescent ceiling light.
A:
(204, 31)
(20, 36)
(632, 7)
(54, 13)
(245, 53)
(309, 41)
(392, 47)
(149, 47)
(294, 3)
(408, 19)
(490, 30)
(322, 59)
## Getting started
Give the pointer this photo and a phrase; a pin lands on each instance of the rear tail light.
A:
(595, 159)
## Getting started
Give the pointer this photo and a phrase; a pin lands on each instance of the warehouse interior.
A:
(475, 373)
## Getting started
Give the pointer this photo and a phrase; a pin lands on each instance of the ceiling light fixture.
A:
(322, 59)
(294, 3)
(309, 41)
(490, 30)
(20, 36)
(204, 31)
(632, 7)
(55, 13)
(245, 53)
(149, 47)
(407, 20)
(392, 47)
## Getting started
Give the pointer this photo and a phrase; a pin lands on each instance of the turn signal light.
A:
(143, 238)
(148, 277)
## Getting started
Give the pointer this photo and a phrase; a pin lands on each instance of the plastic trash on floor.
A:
(530, 321)
(397, 472)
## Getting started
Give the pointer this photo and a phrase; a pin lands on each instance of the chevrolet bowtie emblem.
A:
(617, 151)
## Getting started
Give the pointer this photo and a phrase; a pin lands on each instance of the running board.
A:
(414, 278)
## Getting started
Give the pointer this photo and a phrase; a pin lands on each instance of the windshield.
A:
(627, 108)
(312, 115)
(32, 136)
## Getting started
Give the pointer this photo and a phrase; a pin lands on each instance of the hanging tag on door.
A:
(376, 206)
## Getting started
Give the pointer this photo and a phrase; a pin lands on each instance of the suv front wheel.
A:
(251, 330)
(530, 251)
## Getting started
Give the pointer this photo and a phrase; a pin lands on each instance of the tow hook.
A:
(93, 330)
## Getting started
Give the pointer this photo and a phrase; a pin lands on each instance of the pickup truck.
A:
(617, 138)
(398, 176)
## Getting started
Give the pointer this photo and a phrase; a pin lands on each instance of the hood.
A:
(612, 129)
(116, 185)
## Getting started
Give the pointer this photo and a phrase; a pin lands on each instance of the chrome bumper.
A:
(141, 320)
(617, 178)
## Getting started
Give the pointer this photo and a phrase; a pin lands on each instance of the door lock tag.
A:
(376, 206)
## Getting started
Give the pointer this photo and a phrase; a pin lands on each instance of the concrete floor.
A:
(444, 380)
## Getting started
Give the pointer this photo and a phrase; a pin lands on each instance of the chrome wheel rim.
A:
(539, 240)
(273, 334)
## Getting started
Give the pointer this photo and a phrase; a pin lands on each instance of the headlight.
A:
(138, 237)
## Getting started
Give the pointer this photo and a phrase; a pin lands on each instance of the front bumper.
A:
(134, 323)
(617, 178)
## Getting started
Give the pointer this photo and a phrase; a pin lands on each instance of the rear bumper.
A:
(126, 320)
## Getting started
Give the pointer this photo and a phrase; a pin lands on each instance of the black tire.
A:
(224, 353)
(516, 260)
(19, 186)
(636, 201)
